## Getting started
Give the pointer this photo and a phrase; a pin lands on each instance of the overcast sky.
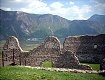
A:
(69, 9)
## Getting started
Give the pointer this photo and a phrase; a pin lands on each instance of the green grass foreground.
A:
(94, 66)
(23, 73)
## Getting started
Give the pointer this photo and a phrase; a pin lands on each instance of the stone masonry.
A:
(86, 48)
(51, 50)
(102, 65)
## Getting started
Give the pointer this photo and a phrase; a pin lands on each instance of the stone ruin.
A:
(87, 48)
(102, 65)
(49, 50)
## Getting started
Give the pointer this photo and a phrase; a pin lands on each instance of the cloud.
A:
(25, 0)
(71, 3)
(99, 1)
(7, 9)
(76, 12)
(70, 11)
(98, 6)
(18, 0)
(56, 5)
(37, 7)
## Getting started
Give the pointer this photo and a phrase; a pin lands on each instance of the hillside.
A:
(24, 73)
(24, 25)
(98, 18)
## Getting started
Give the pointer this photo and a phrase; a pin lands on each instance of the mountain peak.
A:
(25, 25)
(98, 18)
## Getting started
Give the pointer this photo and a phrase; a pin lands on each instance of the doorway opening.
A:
(47, 64)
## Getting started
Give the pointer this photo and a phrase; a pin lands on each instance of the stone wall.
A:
(69, 60)
(102, 65)
(48, 50)
(87, 48)
(11, 51)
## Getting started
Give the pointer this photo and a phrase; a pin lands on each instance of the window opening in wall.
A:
(95, 46)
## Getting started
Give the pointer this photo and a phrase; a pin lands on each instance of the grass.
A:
(23, 73)
(94, 66)
(47, 64)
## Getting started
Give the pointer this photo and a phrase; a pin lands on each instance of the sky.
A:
(69, 9)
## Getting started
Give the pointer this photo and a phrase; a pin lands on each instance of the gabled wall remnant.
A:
(51, 50)
(12, 43)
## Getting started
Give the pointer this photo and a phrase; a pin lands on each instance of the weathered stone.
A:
(102, 65)
(49, 50)
(12, 43)
(69, 60)
(87, 48)
(12, 50)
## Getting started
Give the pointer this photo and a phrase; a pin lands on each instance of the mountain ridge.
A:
(24, 25)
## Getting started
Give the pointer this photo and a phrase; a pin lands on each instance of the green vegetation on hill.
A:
(40, 26)
(23, 73)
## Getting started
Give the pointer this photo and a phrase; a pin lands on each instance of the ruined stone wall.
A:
(87, 48)
(12, 43)
(11, 51)
(49, 50)
(69, 60)
(102, 65)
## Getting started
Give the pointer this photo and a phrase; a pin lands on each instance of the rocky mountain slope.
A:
(24, 25)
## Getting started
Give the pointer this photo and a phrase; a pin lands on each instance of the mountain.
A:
(98, 23)
(24, 25)
(98, 18)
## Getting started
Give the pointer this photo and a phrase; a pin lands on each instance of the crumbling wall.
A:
(87, 48)
(11, 51)
(49, 50)
(12, 43)
(102, 65)
(69, 60)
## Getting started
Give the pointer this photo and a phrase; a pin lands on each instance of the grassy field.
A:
(23, 73)
(47, 64)
(94, 66)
